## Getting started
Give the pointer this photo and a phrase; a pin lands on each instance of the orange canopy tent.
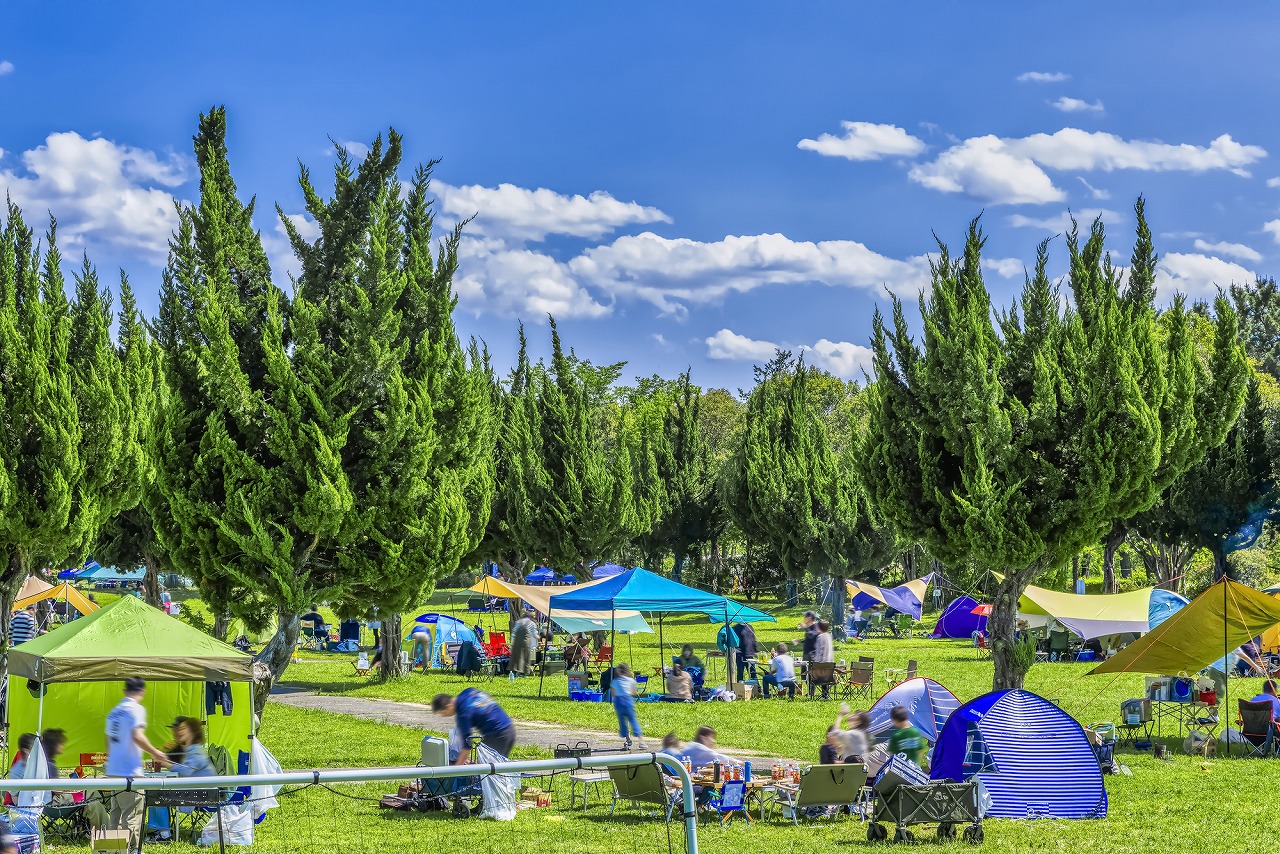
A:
(65, 592)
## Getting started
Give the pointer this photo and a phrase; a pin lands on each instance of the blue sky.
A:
(680, 184)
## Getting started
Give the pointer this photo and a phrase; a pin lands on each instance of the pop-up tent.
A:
(959, 621)
(541, 575)
(607, 570)
(443, 629)
(1033, 758)
(906, 598)
(1093, 616)
(110, 573)
(64, 592)
(929, 704)
(641, 590)
(539, 597)
(81, 667)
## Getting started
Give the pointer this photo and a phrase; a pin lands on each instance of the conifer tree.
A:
(1014, 447)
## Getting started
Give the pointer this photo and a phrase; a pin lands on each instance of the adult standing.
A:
(810, 641)
(126, 742)
(22, 626)
(824, 650)
(747, 649)
(524, 641)
(476, 712)
(727, 640)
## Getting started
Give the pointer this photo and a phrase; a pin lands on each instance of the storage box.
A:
(109, 840)
(744, 690)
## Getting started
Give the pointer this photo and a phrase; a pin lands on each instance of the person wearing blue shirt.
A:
(1268, 695)
(477, 712)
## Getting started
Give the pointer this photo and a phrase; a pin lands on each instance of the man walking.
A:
(126, 742)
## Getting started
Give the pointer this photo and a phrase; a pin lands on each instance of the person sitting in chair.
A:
(679, 685)
(578, 651)
(687, 659)
(1268, 695)
(782, 673)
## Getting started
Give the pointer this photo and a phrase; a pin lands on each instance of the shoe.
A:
(626, 743)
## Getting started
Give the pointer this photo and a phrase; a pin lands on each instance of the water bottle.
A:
(511, 676)
(746, 774)
(715, 774)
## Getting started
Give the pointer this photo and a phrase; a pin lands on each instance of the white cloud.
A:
(727, 344)
(101, 191)
(865, 141)
(1094, 193)
(1198, 276)
(358, 150)
(1273, 228)
(1232, 250)
(670, 273)
(1075, 105)
(6, 67)
(1273, 182)
(1012, 171)
(516, 213)
(1043, 77)
(1008, 268)
(838, 357)
(498, 279)
(984, 167)
(1061, 223)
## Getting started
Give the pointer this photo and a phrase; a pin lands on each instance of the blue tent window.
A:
(977, 757)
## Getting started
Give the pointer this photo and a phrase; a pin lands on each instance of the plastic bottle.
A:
(511, 676)
(746, 772)
(715, 773)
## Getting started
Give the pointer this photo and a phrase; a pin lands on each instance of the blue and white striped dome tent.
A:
(1033, 758)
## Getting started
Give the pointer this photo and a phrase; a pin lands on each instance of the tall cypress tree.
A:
(1013, 448)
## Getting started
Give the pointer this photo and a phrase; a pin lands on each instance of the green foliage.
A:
(1258, 305)
(1012, 443)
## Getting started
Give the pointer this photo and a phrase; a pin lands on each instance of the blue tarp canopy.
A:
(959, 621)
(541, 575)
(929, 704)
(607, 570)
(641, 590)
(905, 598)
(109, 573)
(1032, 757)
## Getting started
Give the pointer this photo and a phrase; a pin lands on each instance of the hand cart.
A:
(949, 804)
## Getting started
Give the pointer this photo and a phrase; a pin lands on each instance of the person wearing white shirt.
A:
(782, 673)
(126, 742)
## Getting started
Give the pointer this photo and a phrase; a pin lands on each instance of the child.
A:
(829, 752)
(906, 738)
(623, 690)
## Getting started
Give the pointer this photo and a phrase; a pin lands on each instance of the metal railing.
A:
(373, 775)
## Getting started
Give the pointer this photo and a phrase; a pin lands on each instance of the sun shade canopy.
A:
(1219, 620)
(63, 591)
(32, 586)
(641, 590)
(128, 638)
(906, 598)
(1097, 615)
(571, 620)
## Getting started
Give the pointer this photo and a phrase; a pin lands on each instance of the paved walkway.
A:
(541, 733)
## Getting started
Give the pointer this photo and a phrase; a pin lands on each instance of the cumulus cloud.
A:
(671, 273)
(1075, 105)
(985, 167)
(1273, 182)
(1198, 276)
(1231, 250)
(1061, 223)
(1012, 170)
(6, 67)
(865, 141)
(516, 213)
(1008, 268)
(1273, 228)
(494, 277)
(99, 190)
(1043, 77)
(1094, 193)
(838, 357)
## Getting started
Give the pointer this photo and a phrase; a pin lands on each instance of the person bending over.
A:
(477, 712)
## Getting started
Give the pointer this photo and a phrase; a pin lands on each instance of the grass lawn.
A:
(1184, 805)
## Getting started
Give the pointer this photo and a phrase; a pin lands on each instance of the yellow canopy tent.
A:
(65, 592)
(1100, 614)
(33, 585)
(1219, 620)
(1271, 637)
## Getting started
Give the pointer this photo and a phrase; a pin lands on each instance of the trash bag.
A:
(500, 790)
(263, 797)
(237, 826)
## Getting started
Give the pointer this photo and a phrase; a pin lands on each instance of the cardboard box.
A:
(743, 691)
(109, 840)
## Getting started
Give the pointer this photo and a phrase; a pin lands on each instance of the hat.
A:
(30, 607)
(180, 719)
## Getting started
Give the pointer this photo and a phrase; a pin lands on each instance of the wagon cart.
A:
(948, 804)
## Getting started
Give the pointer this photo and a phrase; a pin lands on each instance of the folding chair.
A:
(981, 646)
(66, 823)
(822, 786)
(857, 682)
(603, 657)
(1059, 646)
(1258, 729)
(643, 784)
(897, 675)
(361, 664)
(902, 626)
(732, 801)
(822, 674)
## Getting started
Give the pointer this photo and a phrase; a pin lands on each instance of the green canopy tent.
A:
(71, 678)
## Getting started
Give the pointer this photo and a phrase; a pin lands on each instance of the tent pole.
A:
(662, 656)
(1226, 676)
(40, 712)
(613, 630)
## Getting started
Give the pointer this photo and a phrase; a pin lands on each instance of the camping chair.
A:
(876, 626)
(313, 636)
(361, 664)
(822, 786)
(857, 682)
(1059, 646)
(603, 657)
(897, 675)
(822, 674)
(449, 654)
(981, 646)
(495, 646)
(731, 801)
(643, 784)
(902, 625)
(1258, 729)
(66, 823)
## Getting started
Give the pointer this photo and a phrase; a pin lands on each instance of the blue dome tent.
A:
(959, 621)
(1032, 757)
(444, 629)
(929, 704)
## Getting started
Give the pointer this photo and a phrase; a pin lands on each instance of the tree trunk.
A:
(391, 638)
(151, 580)
(222, 625)
(678, 569)
(793, 597)
(1002, 624)
(837, 600)
(276, 656)
(1110, 546)
(1220, 567)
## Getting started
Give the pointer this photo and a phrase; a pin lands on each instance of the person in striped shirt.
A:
(22, 626)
